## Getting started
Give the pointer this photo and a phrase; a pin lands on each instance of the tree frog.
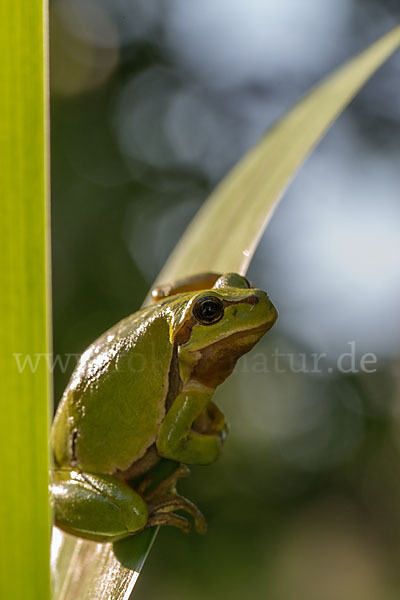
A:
(143, 391)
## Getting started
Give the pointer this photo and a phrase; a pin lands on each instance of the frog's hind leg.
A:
(164, 499)
(96, 507)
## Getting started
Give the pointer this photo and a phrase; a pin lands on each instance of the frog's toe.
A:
(169, 519)
(163, 500)
(166, 487)
(168, 504)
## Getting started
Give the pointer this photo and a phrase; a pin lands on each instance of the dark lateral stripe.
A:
(183, 335)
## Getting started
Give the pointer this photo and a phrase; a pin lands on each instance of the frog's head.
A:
(220, 325)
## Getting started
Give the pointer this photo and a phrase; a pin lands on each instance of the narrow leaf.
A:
(228, 227)
(223, 237)
(24, 303)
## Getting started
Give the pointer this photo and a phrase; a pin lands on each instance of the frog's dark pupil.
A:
(209, 310)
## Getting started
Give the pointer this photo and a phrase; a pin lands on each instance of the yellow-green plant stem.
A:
(223, 237)
(24, 302)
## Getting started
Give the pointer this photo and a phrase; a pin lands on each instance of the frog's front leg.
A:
(97, 507)
(177, 438)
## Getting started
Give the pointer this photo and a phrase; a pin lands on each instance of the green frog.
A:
(143, 392)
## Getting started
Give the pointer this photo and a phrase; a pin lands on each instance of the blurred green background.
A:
(152, 102)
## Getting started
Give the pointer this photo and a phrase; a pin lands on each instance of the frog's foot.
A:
(169, 519)
(211, 421)
(162, 514)
(163, 500)
(200, 281)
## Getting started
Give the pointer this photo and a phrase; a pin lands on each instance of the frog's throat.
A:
(214, 364)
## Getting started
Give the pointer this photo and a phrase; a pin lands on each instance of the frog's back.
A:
(111, 410)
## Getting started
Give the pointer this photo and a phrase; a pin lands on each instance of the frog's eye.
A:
(208, 310)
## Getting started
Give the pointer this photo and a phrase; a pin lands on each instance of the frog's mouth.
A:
(217, 361)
